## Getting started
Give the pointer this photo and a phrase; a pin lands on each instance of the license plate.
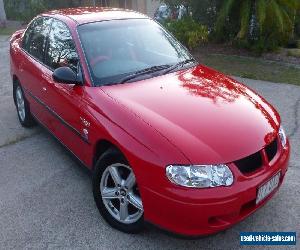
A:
(267, 188)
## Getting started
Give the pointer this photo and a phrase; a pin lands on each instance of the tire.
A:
(112, 199)
(22, 106)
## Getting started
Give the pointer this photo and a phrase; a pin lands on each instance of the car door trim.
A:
(58, 117)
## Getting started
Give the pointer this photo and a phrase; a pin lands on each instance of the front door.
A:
(64, 101)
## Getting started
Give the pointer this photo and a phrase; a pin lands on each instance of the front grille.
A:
(253, 162)
(250, 163)
(271, 150)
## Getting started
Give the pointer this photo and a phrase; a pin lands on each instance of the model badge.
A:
(85, 122)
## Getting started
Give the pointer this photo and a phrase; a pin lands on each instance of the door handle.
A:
(44, 89)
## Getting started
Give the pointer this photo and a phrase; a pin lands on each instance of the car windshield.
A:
(119, 49)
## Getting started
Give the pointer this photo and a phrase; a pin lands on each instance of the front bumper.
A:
(195, 212)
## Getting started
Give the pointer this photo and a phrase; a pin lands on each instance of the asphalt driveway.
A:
(46, 200)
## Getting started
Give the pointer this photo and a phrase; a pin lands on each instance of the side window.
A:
(61, 49)
(35, 37)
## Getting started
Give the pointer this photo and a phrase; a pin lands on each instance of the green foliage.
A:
(24, 10)
(259, 24)
(204, 11)
(188, 31)
(297, 24)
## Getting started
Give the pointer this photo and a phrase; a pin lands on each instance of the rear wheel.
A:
(116, 193)
(22, 106)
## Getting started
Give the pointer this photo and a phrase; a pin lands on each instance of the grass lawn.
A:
(294, 52)
(7, 31)
(251, 67)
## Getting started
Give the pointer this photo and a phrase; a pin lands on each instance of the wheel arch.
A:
(101, 146)
(15, 81)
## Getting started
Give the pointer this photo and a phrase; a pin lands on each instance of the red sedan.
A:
(169, 141)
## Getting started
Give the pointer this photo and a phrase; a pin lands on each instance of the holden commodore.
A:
(169, 141)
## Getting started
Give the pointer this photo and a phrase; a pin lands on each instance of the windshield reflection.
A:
(204, 82)
(214, 86)
(117, 48)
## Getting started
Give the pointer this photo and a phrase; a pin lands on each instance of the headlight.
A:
(282, 137)
(200, 176)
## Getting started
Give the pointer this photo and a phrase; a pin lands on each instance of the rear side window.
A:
(61, 49)
(35, 37)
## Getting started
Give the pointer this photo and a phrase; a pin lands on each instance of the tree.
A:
(297, 23)
(2, 13)
(204, 11)
(261, 23)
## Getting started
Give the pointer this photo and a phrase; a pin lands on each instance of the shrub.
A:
(24, 10)
(188, 32)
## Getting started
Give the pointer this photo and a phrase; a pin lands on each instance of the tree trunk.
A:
(2, 14)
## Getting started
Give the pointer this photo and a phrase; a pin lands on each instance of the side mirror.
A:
(65, 75)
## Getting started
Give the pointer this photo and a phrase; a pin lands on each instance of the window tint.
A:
(61, 50)
(35, 37)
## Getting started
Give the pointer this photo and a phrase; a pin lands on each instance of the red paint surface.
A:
(194, 116)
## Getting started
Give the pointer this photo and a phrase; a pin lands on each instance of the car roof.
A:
(93, 14)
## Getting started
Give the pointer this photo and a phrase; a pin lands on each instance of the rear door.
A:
(31, 68)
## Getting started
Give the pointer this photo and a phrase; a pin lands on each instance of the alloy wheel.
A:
(20, 103)
(120, 193)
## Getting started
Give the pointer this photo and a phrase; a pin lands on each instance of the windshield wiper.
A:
(178, 65)
(167, 69)
(143, 72)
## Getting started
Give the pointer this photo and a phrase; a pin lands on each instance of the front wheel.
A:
(116, 193)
